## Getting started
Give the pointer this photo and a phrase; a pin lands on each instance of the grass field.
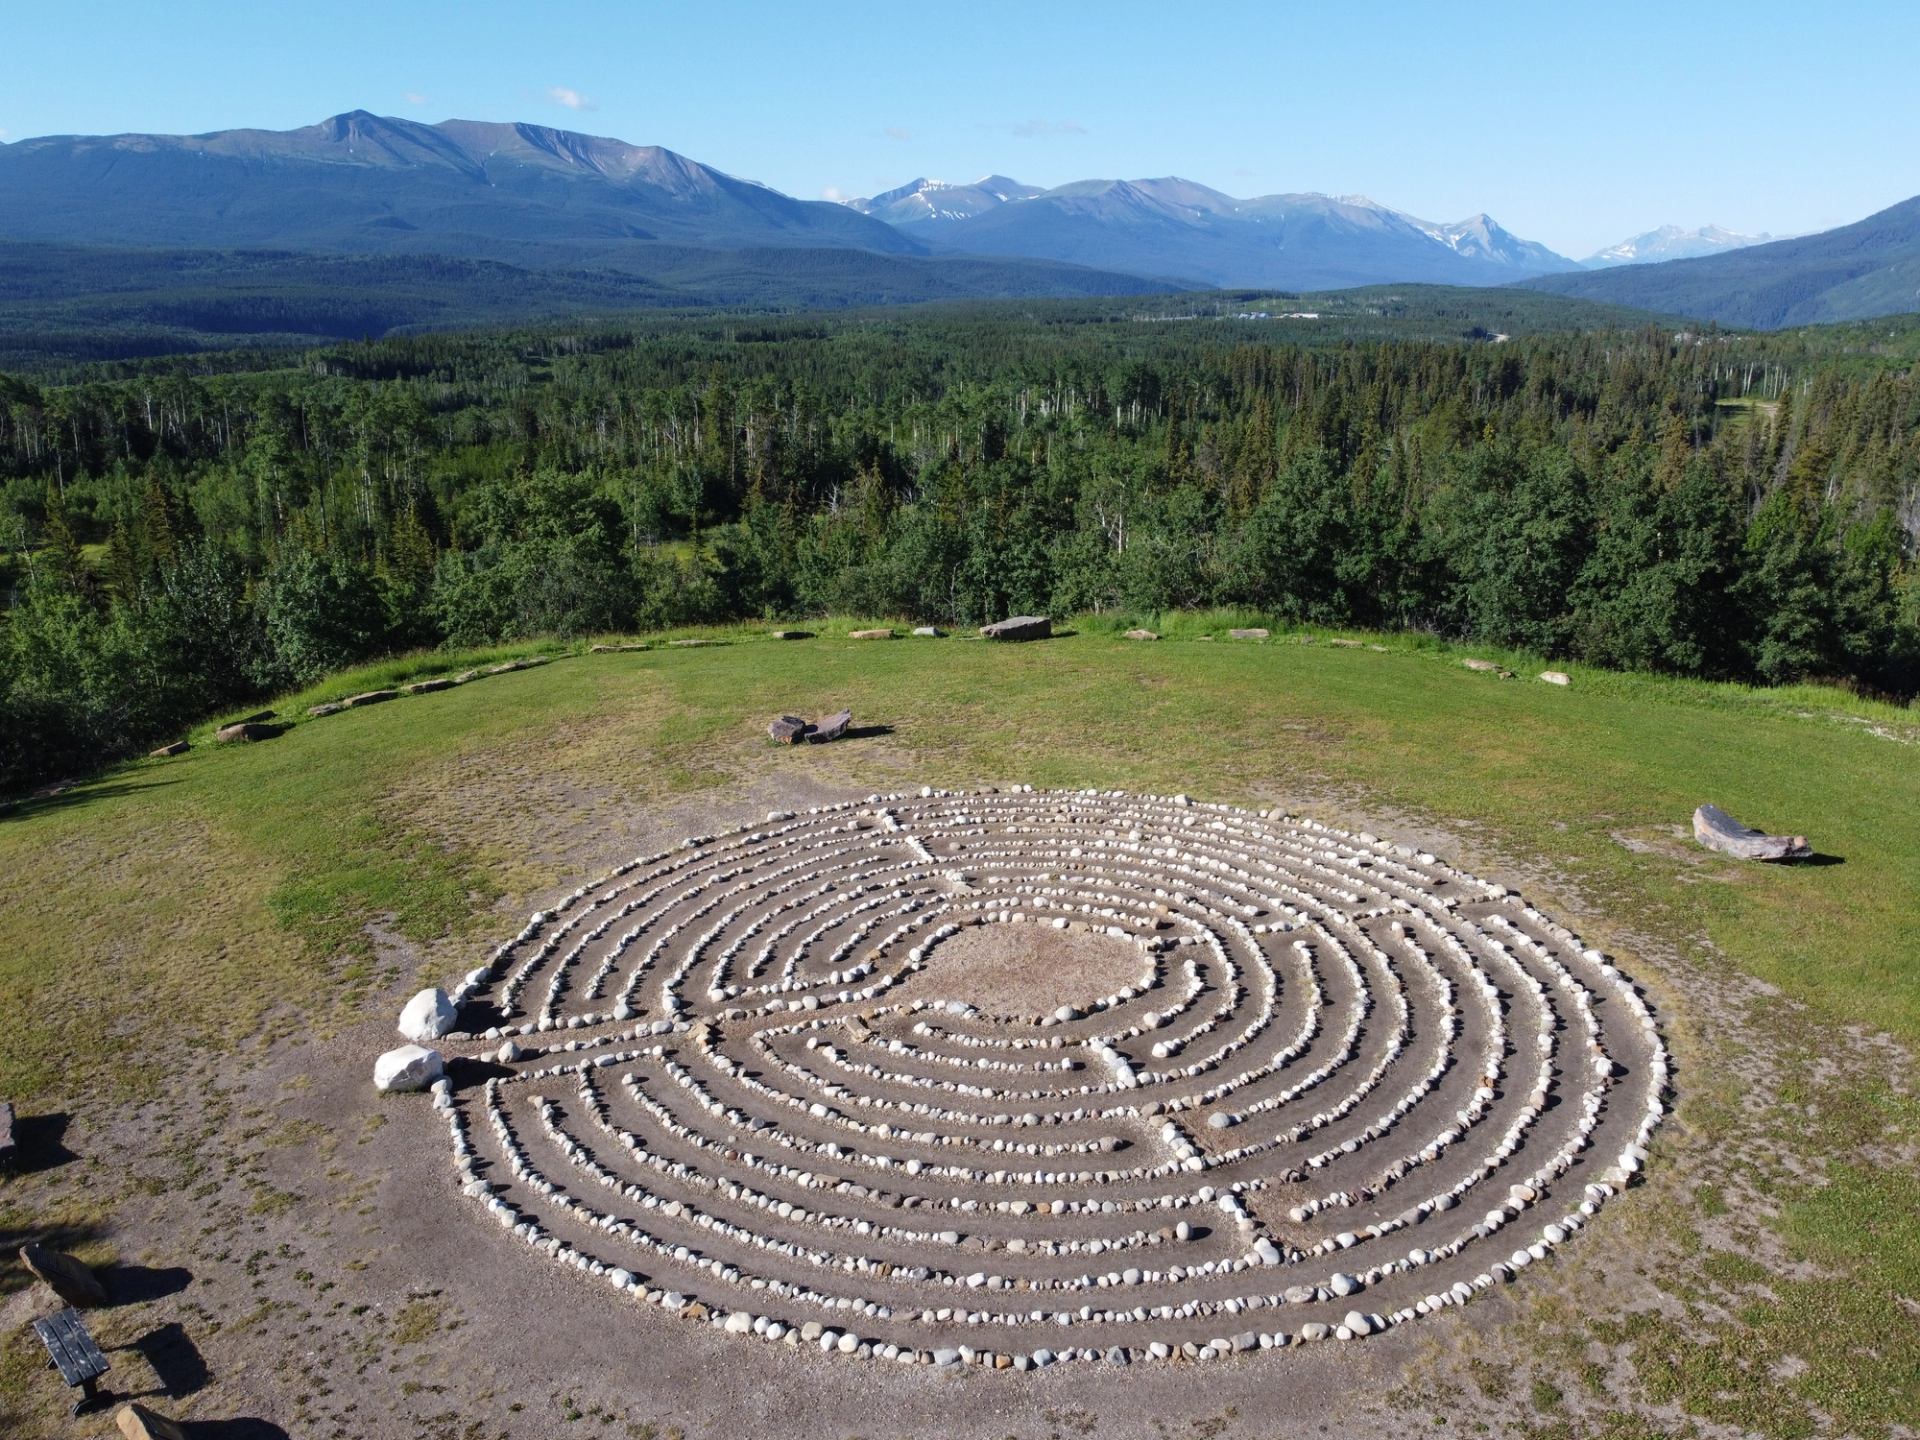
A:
(238, 895)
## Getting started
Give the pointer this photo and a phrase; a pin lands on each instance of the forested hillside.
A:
(176, 539)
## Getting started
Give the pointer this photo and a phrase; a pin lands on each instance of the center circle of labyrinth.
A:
(1027, 972)
(1010, 1078)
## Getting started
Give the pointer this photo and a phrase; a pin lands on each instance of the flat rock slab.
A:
(1717, 830)
(8, 1144)
(245, 730)
(831, 728)
(1556, 677)
(870, 634)
(178, 747)
(1253, 634)
(617, 649)
(332, 707)
(1019, 627)
(371, 697)
(73, 1282)
(1142, 635)
(427, 687)
(693, 644)
(791, 634)
(928, 632)
(789, 729)
(136, 1422)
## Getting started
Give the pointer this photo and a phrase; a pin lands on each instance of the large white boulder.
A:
(411, 1067)
(428, 1016)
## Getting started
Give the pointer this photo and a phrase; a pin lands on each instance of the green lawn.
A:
(227, 895)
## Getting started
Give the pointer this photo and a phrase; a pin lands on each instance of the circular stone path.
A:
(1014, 1078)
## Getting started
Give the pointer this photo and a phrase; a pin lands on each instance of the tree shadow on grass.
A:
(14, 1274)
(84, 793)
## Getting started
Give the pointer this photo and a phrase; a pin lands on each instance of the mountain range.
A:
(1670, 242)
(1871, 267)
(1183, 231)
(553, 221)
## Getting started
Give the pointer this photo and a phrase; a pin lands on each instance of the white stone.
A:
(410, 1067)
(427, 1016)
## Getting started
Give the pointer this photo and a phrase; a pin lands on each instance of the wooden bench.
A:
(9, 1144)
(72, 1351)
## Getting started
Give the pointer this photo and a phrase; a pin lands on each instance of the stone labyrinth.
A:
(1014, 1078)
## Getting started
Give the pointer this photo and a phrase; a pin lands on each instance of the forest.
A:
(178, 535)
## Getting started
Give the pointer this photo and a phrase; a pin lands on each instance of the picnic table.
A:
(72, 1351)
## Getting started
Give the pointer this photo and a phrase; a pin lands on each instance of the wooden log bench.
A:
(72, 1351)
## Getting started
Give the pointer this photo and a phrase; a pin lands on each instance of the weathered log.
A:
(1019, 627)
(1717, 830)
(870, 634)
(1253, 634)
(1142, 635)
(178, 747)
(831, 728)
(789, 729)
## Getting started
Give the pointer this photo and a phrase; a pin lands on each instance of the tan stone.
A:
(136, 1422)
(870, 634)
(66, 1276)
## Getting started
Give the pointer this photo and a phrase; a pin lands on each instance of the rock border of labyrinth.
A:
(1202, 927)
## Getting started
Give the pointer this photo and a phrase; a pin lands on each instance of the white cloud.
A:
(897, 132)
(571, 98)
(414, 97)
(1043, 129)
(835, 194)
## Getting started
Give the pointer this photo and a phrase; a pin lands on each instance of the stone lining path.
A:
(1266, 1083)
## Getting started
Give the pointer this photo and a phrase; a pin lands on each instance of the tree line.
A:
(177, 536)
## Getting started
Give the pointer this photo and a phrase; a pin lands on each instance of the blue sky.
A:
(1576, 126)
